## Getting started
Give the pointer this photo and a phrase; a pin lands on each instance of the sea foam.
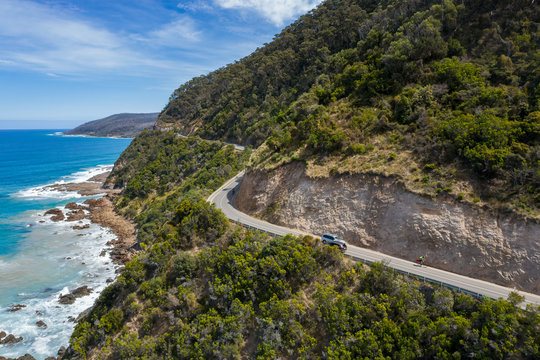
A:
(48, 192)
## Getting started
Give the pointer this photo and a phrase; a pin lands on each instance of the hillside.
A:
(119, 125)
(358, 100)
(445, 95)
(206, 288)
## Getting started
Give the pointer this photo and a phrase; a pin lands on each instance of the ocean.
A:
(41, 259)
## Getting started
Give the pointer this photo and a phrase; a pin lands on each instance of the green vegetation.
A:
(454, 83)
(203, 288)
(248, 295)
(160, 169)
(439, 91)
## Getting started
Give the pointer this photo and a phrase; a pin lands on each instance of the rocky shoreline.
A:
(98, 211)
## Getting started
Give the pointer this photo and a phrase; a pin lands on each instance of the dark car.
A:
(333, 240)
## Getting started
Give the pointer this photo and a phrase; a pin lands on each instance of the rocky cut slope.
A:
(379, 213)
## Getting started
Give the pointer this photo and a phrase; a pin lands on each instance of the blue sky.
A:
(64, 62)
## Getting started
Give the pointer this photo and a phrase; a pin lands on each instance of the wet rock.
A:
(109, 280)
(72, 319)
(70, 298)
(24, 357)
(67, 299)
(11, 339)
(50, 358)
(57, 214)
(2, 334)
(80, 227)
(61, 351)
(17, 307)
(74, 206)
(81, 291)
(76, 215)
(41, 324)
(103, 253)
(39, 313)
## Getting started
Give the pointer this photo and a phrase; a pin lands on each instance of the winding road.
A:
(223, 199)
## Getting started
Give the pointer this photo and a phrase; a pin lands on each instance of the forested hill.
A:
(446, 82)
(119, 125)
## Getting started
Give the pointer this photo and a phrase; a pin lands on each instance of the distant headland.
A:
(119, 125)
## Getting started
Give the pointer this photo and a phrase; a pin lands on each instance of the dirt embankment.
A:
(378, 213)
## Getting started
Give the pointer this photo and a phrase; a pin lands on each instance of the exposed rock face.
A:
(41, 324)
(70, 298)
(13, 308)
(76, 215)
(10, 339)
(24, 357)
(378, 213)
(81, 291)
(57, 214)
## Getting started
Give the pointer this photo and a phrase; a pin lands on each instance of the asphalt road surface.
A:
(223, 198)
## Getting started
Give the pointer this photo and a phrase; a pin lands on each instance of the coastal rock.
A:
(41, 324)
(70, 298)
(11, 339)
(76, 215)
(67, 299)
(102, 212)
(80, 227)
(74, 206)
(82, 291)
(61, 351)
(24, 357)
(57, 214)
(13, 308)
(2, 334)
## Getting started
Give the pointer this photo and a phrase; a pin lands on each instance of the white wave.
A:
(88, 136)
(39, 264)
(87, 174)
(42, 192)
(46, 192)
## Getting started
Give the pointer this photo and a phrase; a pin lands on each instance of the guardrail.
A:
(423, 278)
(368, 262)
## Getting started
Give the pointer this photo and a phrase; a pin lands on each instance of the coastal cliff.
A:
(379, 213)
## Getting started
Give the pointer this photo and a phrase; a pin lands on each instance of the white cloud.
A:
(276, 11)
(51, 40)
(173, 33)
(38, 36)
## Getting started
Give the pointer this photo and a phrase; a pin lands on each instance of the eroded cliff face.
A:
(378, 213)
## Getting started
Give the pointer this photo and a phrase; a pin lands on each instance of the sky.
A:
(65, 62)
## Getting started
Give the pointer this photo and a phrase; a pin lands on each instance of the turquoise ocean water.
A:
(41, 259)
